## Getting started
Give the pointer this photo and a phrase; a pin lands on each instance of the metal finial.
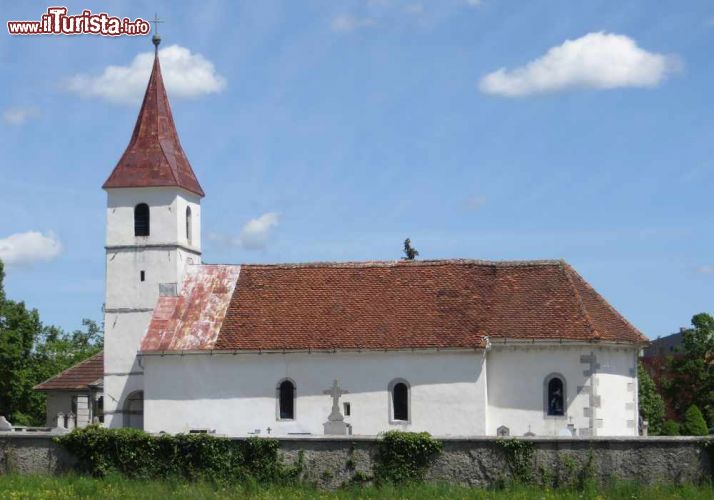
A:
(156, 39)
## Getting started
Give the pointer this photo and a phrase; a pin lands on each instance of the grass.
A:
(66, 487)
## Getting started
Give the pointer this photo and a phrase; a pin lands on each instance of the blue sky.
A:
(332, 130)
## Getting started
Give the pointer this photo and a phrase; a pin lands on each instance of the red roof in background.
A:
(395, 305)
(154, 156)
(78, 377)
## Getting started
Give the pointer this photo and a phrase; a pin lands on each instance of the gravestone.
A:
(5, 426)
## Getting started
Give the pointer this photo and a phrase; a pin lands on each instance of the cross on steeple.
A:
(156, 22)
(156, 39)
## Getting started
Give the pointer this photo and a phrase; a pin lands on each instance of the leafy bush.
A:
(519, 457)
(651, 402)
(193, 457)
(694, 424)
(405, 456)
(670, 428)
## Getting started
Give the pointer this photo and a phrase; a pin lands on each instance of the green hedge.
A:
(138, 455)
(405, 456)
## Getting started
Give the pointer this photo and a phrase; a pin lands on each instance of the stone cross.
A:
(335, 392)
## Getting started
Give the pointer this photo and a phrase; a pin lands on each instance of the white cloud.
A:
(254, 235)
(18, 116)
(186, 75)
(596, 60)
(29, 248)
(705, 269)
(346, 23)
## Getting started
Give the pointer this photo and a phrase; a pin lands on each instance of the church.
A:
(453, 347)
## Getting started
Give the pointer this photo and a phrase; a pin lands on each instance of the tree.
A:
(18, 329)
(690, 379)
(31, 353)
(54, 352)
(670, 428)
(694, 424)
(650, 401)
(410, 252)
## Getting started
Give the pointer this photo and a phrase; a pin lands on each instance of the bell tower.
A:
(153, 233)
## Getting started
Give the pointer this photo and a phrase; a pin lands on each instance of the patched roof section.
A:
(410, 305)
(192, 320)
(77, 377)
(154, 156)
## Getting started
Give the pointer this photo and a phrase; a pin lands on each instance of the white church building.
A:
(452, 347)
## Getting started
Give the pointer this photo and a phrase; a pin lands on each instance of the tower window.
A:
(141, 220)
(189, 223)
(142, 275)
(286, 400)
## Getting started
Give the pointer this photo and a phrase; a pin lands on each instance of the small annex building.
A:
(75, 396)
(452, 347)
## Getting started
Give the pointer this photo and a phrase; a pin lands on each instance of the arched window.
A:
(134, 410)
(286, 400)
(141, 220)
(189, 222)
(399, 396)
(555, 399)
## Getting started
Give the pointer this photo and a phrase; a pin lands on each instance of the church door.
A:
(134, 410)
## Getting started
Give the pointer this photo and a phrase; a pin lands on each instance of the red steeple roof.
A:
(154, 156)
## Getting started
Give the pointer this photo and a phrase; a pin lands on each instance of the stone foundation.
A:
(330, 462)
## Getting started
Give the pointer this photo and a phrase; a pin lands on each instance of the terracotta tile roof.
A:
(192, 320)
(154, 156)
(77, 377)
(397, 305)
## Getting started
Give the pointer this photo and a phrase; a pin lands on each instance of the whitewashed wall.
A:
(516, 376)
(235, 395)
(61, 401)
(168, 209)
(163, 255)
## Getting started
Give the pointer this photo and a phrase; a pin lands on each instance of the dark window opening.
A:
(400, 401)
(142, 275)
(98, 410)
(141, 220)
(556, 405)
(348, 409)
(287, 400)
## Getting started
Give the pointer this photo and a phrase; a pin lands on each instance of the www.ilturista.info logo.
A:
(56, 22)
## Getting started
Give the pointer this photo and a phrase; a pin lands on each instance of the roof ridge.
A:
(607, 303)
(565, 269)
(402, 262)
(159, 102)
